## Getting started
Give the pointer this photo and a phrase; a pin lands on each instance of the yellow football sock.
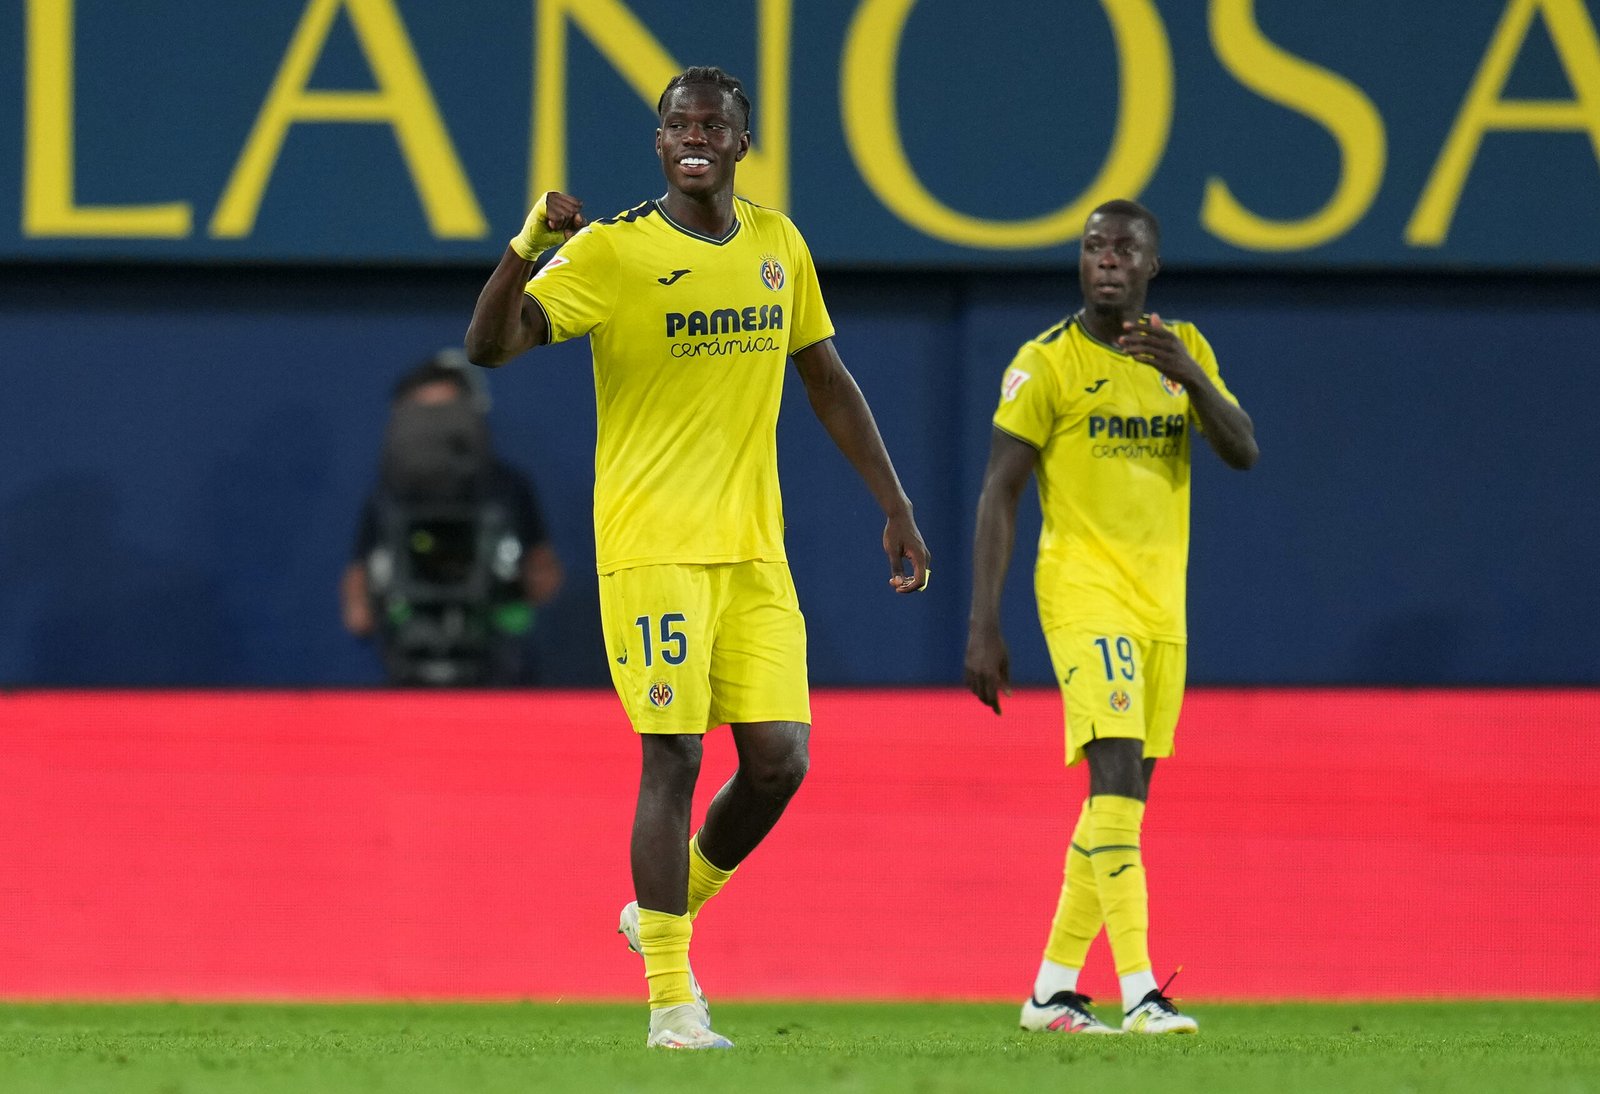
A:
(1114, 824)
(1078, 916)
(664, 942)
(705, 878)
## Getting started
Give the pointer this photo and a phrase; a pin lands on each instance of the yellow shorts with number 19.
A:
(1116, 685)
(693, 647)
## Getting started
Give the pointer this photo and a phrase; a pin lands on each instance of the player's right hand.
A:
(555, 217)
(988, 666)
(902, 542)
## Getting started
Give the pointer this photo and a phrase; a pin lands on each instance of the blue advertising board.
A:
(1429, 134)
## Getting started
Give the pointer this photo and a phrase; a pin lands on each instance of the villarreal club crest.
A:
(771, 272)
(660, 694)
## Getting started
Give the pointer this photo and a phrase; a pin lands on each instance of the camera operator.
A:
(451, 556)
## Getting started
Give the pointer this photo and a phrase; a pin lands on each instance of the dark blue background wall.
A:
(182, 452)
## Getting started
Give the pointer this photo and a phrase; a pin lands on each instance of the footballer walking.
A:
(1103, 407)
(693, 302)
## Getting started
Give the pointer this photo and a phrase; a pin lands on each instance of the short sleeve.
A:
(1027, 407)
(1205, 357)
(577, 288)
(810, 323)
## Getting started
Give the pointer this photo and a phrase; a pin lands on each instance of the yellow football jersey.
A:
(1114, 437)
(690, 336)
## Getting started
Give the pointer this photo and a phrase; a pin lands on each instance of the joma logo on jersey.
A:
(1135, 427)
(725, 321)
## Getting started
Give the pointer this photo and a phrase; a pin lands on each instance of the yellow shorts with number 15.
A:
(697, 646)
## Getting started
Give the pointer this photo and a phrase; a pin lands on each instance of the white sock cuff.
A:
(1053, 977)
(1135, 986)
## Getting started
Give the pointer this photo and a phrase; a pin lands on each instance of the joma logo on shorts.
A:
(724, 321)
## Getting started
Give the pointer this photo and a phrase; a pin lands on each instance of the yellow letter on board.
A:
(872, 128)
(1573, 33)
(646, 66)
(402, 101)
(49, 207)
(1338, 105)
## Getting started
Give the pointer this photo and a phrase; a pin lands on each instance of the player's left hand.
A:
(988, 666)
(1153, 343)
(902, 541)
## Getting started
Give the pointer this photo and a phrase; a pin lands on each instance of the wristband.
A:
(536, 235)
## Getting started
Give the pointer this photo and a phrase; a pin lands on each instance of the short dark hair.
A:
(1122, 207)
(431, 371)
(706, 76)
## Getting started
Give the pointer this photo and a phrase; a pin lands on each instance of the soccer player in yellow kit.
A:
(692, 303)
(1103, 407)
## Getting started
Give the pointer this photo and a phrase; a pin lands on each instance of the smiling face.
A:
(702, 137)
(1116, 261)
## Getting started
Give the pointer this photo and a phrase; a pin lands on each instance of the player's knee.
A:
(1116, 766)
(779, 777)
(672, 758)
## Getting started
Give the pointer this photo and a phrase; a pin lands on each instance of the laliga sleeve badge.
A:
(553, 265)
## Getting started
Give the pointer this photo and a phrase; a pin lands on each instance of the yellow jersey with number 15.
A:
(1114, 437)
(690, 337)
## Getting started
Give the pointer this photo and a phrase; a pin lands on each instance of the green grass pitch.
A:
(532, 1048)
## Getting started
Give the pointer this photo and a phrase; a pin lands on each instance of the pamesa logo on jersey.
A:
(707, 334)
(1136, 427)
(771, 272)
(697, 324)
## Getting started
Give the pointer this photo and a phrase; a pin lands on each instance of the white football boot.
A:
(1064, 1012)
(1156, 1014)
(683, 1026)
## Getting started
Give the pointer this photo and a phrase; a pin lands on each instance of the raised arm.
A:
(988, 665)
(505, 320)
(1227, 427)
(843, 412)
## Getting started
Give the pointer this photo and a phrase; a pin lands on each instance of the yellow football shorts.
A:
(1115, 685)
(693, 647)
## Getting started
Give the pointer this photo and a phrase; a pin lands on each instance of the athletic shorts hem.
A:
(698, 730)
(702, 730)
(607, 567)
(806, 721)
